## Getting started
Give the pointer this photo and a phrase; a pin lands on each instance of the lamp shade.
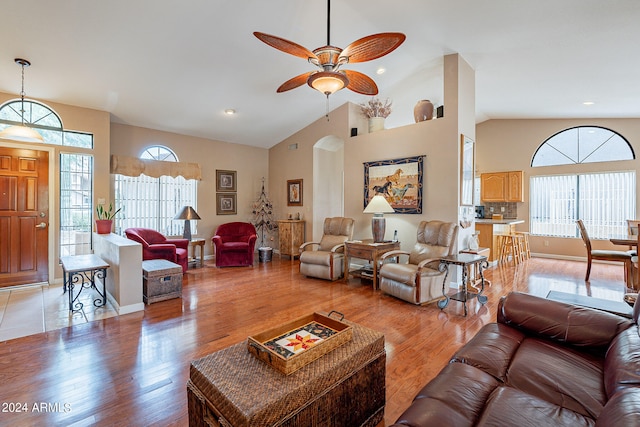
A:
(187, 212)
(378, 205)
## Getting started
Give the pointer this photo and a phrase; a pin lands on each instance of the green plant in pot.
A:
(104, 218)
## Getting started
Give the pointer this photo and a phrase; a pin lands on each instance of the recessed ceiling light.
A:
(381, 70)
(229, 111)
(588, 103)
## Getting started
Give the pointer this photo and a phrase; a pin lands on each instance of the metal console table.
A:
(466, 261)
(82, 270)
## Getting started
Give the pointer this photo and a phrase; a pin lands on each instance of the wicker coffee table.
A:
(345, 387)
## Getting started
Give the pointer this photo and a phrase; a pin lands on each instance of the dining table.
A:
(630, 240)
(625, 240)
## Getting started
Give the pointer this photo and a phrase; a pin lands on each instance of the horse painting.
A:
(395, 177)
(398, 193)
(382, 189)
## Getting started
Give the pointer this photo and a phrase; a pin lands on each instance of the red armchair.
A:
(156, 246)
(234, 243)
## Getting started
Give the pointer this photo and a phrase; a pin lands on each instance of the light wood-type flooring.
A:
(131, 370)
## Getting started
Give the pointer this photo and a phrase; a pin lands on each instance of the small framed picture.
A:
(225, 180)
(294, 192)
(226, 203)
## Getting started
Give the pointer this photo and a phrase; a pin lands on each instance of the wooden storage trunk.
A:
(161, 280)
(345, 387)
(330, 333)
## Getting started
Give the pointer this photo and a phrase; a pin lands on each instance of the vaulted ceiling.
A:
(177, 65)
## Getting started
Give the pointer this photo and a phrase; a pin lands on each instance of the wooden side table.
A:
(366, 249)
(194, 243)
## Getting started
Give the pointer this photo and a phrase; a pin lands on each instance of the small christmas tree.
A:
(263, 221)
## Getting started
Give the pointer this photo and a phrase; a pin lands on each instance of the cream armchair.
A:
(327, 261)
(419, 281)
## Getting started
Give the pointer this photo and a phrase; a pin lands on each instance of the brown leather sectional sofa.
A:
(544, 363)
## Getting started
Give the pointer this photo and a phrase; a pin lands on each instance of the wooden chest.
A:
(345, 387)
(161, 280)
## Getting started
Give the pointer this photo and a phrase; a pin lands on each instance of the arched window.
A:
(45, 121)
(158, 152)
(583, 144)
(603, 200)
(153, 202)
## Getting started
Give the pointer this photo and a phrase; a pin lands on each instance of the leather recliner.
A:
(419, 281)
(327, 261)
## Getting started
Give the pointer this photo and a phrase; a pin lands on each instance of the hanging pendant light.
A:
(21, 133)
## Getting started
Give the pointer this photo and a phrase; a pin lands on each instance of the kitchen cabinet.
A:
(502, 186)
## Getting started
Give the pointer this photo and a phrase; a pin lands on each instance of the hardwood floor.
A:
(131, 370)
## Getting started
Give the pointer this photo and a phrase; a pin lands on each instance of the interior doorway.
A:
(328, 181)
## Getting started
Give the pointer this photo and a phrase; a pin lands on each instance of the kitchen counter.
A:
(489, 229)
(506, 221)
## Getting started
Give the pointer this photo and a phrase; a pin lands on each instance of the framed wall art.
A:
(226, 204)
(467, 167)
(398, 180)
(294, 192)
(225, 180)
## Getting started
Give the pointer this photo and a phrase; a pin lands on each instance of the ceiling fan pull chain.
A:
(327, 114)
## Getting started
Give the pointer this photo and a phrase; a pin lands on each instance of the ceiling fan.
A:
(330, 58)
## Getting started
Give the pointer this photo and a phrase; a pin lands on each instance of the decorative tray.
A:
(292, 345)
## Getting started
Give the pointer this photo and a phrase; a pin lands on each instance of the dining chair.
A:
(632, 230)
(635, 273)
(604, 255)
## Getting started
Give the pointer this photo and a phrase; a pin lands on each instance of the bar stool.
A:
(525, 251)
(510, 245)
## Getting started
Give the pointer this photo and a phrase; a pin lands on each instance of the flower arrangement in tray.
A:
(376, 108)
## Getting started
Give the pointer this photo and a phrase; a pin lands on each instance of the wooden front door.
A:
(24, 216)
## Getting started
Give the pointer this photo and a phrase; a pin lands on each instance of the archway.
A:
(328, 181)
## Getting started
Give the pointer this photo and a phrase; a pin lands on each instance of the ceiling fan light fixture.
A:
(328, 82)
(21, 133)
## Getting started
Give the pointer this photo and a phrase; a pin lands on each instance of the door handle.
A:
(42, 225)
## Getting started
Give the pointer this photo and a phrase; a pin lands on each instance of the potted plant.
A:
(104, 218)
(376, 111)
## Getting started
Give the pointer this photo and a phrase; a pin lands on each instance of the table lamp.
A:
(187, 213)
(378, 206)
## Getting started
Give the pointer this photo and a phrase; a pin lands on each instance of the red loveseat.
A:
(543, 363)
(156, 246)
(234, 243)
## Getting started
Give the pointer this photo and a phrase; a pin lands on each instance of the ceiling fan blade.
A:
(294, 82)
(361, 83)
(372, 47)
(285, 45)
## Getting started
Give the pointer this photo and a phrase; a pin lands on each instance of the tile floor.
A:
(40, 308)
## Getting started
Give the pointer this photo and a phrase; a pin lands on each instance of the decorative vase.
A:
(473, 241)
(103, 226)
(423, 111)
(376, 124)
